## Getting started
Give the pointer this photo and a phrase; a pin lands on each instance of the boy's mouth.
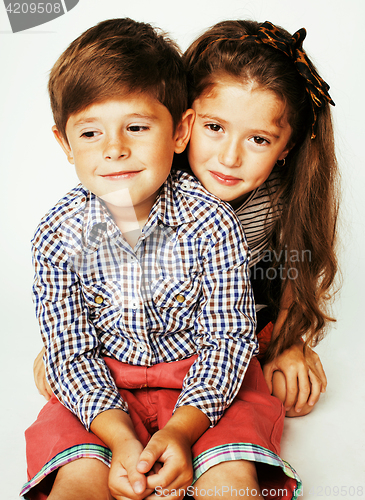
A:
(227, 180)
(114, 176)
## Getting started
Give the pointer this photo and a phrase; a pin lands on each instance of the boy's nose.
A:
(116, 149)
(231, 154)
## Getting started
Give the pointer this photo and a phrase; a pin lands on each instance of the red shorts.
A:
(250, 429)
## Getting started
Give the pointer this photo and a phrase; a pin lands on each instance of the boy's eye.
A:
(137, 128)
(214, 127)
(259, 140)
(89, 134)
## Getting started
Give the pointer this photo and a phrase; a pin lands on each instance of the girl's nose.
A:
(116, 148)
(230, 154)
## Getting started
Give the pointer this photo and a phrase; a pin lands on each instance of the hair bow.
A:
(317, 88)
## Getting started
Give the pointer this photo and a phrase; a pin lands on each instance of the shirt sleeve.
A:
(77, 375)
(224, 326)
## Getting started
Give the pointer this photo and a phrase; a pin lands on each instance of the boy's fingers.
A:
(169, 485)
(137, 480)
(148, 457)
(164, 477)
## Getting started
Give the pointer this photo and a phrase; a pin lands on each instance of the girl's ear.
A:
(63, 143)
(183, 130)
(286, 151)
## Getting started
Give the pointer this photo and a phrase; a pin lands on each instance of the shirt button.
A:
(185, 185)
(133, 304)
(130, 258)
(98, 299)
(141, 348)
(180, 298)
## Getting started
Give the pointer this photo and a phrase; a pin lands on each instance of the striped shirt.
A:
(182, 290)
(258, 217)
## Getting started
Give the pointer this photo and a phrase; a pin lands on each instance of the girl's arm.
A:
(39, 374)
(302, 378)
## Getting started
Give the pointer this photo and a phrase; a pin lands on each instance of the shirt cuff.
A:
(92, 404)
(206, 399)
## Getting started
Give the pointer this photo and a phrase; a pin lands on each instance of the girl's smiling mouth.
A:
(226, 180)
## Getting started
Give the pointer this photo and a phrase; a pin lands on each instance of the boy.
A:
(141, 283)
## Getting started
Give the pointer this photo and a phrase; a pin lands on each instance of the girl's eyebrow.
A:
(211, 117)
(224, 122)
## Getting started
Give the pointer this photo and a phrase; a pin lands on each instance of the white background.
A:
(327, 447)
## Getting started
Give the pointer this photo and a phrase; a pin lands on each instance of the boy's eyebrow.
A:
(83, 121)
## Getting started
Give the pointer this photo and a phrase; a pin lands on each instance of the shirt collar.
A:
(97, 221)
(172, 207)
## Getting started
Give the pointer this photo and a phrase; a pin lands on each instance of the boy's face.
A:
(123, 149)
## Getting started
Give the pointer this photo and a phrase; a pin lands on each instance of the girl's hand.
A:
(39, 374)
(304, 378)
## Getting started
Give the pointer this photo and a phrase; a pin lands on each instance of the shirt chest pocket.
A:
(103, 297)
(171, 293)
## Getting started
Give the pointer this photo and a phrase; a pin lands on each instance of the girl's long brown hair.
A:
(308, 192)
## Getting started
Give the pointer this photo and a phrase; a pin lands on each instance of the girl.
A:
(263, 141)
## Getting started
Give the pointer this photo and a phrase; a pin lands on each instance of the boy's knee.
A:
(279, 391)
(228, 480)
(82, 479)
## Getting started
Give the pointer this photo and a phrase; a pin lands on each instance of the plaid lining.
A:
(203, 462)
(243, 451)
(80, 451)
(184, 290)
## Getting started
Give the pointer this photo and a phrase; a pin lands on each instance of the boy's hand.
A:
(125, 481)
(304, 376)
(173, 451)
(116, 429)
(171, 447)
(39, 374)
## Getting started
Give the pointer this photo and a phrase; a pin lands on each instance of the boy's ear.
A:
(63, 143)
(183, 130)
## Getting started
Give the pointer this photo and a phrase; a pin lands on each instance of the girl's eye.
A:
(259, 140)
(214, 127)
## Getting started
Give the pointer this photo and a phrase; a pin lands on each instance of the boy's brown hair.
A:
(114, 58)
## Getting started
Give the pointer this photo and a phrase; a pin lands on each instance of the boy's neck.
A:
(130, 220)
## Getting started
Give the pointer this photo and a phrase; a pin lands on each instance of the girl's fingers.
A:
(321, 374)
(292, 378)
(268, 371)
(315, 390)
(304, 386)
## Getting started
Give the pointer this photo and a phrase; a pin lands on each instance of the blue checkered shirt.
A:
(182, 290)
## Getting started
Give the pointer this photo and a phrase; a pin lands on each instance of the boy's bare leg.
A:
(226, 479)
(82, 479)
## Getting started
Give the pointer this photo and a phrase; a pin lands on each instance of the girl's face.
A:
(240, 131)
